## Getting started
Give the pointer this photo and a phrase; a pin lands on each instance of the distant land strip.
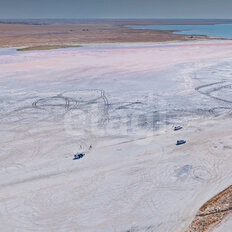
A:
(47, 47)
(32, 33)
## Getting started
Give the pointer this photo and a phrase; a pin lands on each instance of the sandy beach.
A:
(123, 100)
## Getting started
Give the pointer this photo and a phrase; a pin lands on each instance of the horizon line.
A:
(164, 18)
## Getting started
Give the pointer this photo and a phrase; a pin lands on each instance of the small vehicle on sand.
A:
(179, 142)
(176, 128)
(78, 156)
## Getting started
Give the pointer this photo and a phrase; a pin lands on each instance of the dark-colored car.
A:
(179, 142)
(78, 156)
(176, 128)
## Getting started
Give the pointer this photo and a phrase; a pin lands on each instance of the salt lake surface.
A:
(124, 101)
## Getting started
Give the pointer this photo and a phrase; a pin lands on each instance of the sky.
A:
(116, 9)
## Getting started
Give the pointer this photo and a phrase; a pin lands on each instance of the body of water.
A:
(216, 30)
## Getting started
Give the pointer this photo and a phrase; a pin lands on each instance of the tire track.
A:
(208, 92)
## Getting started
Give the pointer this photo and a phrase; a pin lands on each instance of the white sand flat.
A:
(124, 101)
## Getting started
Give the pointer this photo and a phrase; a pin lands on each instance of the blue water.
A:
(216, 30)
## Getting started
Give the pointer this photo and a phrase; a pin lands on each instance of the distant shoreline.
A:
(211, 30)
